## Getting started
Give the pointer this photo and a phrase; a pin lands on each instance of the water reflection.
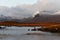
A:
(15, 33)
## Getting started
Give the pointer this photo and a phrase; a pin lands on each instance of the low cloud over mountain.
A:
(27, 10)
(15, 12)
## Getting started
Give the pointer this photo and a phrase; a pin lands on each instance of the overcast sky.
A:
(27, 8)
(16, 2)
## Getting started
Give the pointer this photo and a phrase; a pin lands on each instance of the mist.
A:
(50, 7)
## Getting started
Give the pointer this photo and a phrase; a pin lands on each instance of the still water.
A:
(22, 33)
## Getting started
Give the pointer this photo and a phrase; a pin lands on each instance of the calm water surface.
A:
(22, 33)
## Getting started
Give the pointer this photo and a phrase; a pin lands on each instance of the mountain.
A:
(46, 18)
(43, 18)
(37, 19)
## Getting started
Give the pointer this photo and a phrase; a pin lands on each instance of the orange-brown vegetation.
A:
(47, 24)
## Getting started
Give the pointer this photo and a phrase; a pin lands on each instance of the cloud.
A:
(15, 12)
(48, 5)
(57, 13)
(27, 10)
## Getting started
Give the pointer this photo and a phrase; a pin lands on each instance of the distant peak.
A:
(36, 13)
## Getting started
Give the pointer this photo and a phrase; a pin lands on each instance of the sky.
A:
(28, 8)
(11, 3)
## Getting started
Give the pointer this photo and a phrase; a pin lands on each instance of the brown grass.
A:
(47, 24)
